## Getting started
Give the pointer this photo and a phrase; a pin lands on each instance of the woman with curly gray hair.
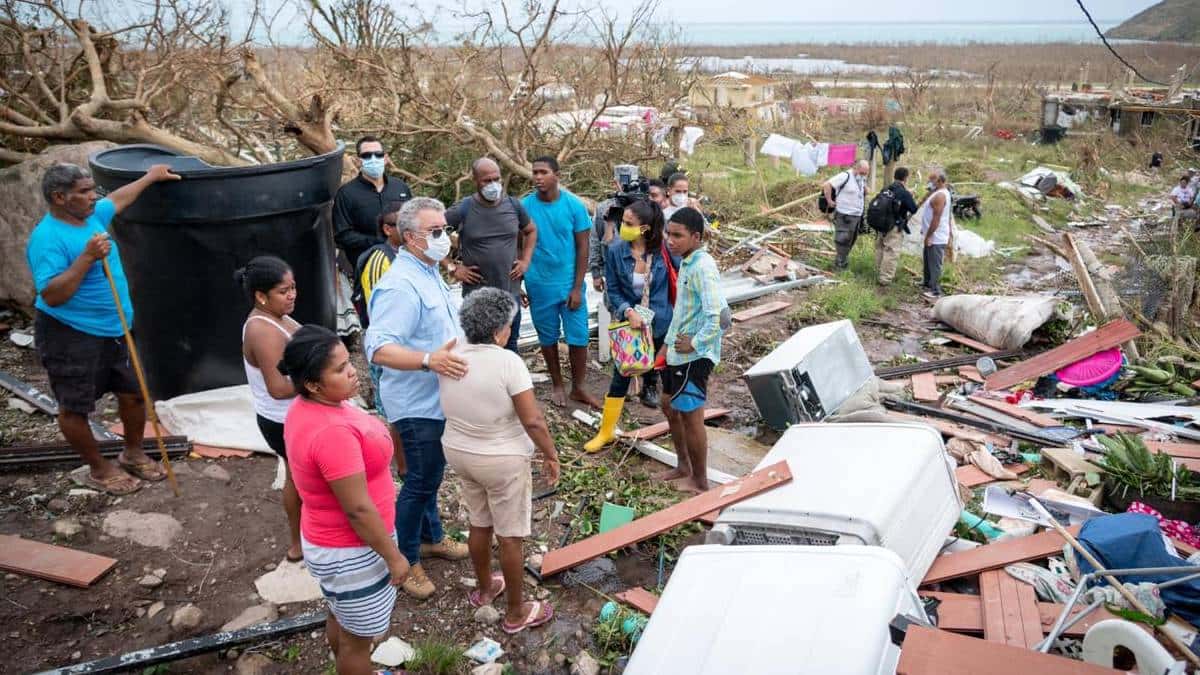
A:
(493, 424)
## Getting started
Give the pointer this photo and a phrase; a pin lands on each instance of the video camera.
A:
(633, 187)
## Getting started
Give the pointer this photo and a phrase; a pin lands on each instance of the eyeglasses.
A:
(432, 234)
(368, 155)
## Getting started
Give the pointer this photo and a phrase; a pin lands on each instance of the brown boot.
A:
(417, 584)
(447, 549)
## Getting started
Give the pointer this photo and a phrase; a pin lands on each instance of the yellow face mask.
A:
(630, 232)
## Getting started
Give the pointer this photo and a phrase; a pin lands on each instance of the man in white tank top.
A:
(935, 231)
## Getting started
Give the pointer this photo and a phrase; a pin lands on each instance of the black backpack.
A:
(881, 214)
(823, 204)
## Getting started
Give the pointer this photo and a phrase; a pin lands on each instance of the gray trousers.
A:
(931, 274)
(845, 233)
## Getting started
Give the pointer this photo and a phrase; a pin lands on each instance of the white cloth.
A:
(802, 159)
(480, 417)
(274, 409)
(850, 197)
(778, 146)
(941, 235)
(688, 142)
(821, 155)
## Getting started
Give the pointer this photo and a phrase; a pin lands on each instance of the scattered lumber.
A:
(1106, 337)
(1010, 613)
(659, 428)
(761, 310)
(963, 613)
(1024, 434)
(942, 364)
(206, 451)
(1025, 414)
(929, 651)
(639, 598)
(995, 556)
(968, 342)
(924, 387)
(971, 476)
(970, 373)
(647, 526)
(952, 430)
(56, 563)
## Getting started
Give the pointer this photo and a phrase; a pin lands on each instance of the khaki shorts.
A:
(498, 490)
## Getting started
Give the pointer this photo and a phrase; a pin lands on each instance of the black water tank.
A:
(181, 241)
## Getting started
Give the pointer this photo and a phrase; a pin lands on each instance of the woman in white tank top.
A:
(270, 286)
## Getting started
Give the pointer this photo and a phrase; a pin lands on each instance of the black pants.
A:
(619, 386)
(931, 274)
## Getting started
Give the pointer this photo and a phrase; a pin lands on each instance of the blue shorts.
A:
(551, 318)
(687, 384)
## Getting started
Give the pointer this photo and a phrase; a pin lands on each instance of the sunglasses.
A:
(432, 234)
(368, 155)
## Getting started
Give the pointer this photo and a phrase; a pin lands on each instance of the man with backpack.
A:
(490, 225)
(888, 215)
(845, 194)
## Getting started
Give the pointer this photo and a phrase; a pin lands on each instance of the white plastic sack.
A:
(966, 242)
(222, 418)
(1002, 322)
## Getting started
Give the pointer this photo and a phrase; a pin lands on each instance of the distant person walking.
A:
(887, 244)
(847, 192)
(358, 203)
(77, 330)
(935, 234)
(271, 288)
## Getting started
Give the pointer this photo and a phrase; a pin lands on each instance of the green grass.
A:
(437, 658)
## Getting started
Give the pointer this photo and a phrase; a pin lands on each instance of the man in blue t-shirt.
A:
(77, 330)
(554, 280)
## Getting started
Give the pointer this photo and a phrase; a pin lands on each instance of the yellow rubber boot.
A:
(608, 424)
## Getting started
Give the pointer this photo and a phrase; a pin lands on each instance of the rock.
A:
(67, 527)
(75, 656)
(160, 572)
(21, 339)
(542, 663)
(560, 658)
(18, 404)
(542, 593)
(593, 573)
(487, 615)
(215, 472)
(488, 669)
(535, 560)
(58, 504)
(392, 652)
(270, 566)
(288, 584)
(156, 530)
(150, 581)
(469, 582)
(187, 617)
(252, 664)
(585, 665)
(82, 492)
(154, 609)
(232, 654)
(251, 616)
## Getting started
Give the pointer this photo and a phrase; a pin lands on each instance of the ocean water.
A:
(792, 32)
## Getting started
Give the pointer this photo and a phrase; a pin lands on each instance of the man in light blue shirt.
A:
(554, 280)
(414, 327)
(77, 330)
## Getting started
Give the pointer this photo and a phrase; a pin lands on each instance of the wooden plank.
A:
(950, 429)
(1106, 337)
(995, 556)
(971, 476)
(56, 563)
(963, 613)
(924, 387)
(659, 428)
(971, 373)
(656, 523)
(992, 606)
(639, 598)
(207, 451)
(973, 344)
(1183, 450)
(760, 310)
(946, 379)
(929, 651)
(1024, 414)
(1031, 617)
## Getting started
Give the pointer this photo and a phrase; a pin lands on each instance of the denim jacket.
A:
(618, 275)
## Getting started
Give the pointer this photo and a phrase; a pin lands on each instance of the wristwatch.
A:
(425, 362)
(450, 267)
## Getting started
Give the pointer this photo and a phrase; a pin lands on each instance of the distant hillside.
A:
(1168, 21)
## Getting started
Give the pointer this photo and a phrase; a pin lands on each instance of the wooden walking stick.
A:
(141, 378)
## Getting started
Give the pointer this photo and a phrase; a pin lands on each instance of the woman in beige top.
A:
(493, 424)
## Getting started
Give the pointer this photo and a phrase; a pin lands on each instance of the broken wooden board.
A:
(206, 451)
(963, 613)
(656, 523)
(1181, 450)
(760, 310)
(968, 342)
(1024, 414)
(56, 563)
(970, 373)
(1010, 613)
(996, 555)
(1110, 335)
(640, 599)
(929, 651)
(924, 387)
(659, 428)
(952, 430)
(971, 476)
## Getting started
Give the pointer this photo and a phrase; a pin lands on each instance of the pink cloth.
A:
(1175, 529)
(842, 155)
(325, 444)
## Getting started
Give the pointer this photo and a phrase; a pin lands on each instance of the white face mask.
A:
(492, 191)
(679, 199)
(437, 248)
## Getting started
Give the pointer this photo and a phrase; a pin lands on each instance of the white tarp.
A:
(1031, 180)
(222, 418)
(966, 242)
(687, 143)
(1002, 322)
(778, 146)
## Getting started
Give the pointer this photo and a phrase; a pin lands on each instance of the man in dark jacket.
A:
(887, 245)
(358, 203)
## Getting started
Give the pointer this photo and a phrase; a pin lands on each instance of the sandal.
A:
(541, 613)
(148, 470)
(117, 485)
(475, 597)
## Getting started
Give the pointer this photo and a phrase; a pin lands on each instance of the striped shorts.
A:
(357, 586)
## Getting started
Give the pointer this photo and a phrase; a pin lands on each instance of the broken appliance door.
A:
(810, 375)
(775, 610)
(889, 485)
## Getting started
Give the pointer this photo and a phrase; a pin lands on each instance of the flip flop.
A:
(475, 597)
(118, 485)
(148, 470)
(541, 613)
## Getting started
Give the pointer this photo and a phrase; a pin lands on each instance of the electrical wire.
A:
(1114, 52)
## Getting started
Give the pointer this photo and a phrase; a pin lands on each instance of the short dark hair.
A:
(392, 207)
(901, 173)
(654, 182)
(262, 273)
(1185, 177)
(676, 177)
(306, 356)
(548, 160)
(366, 139)
(689, 218)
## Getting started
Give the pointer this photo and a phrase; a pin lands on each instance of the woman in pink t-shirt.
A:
(340, 459)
